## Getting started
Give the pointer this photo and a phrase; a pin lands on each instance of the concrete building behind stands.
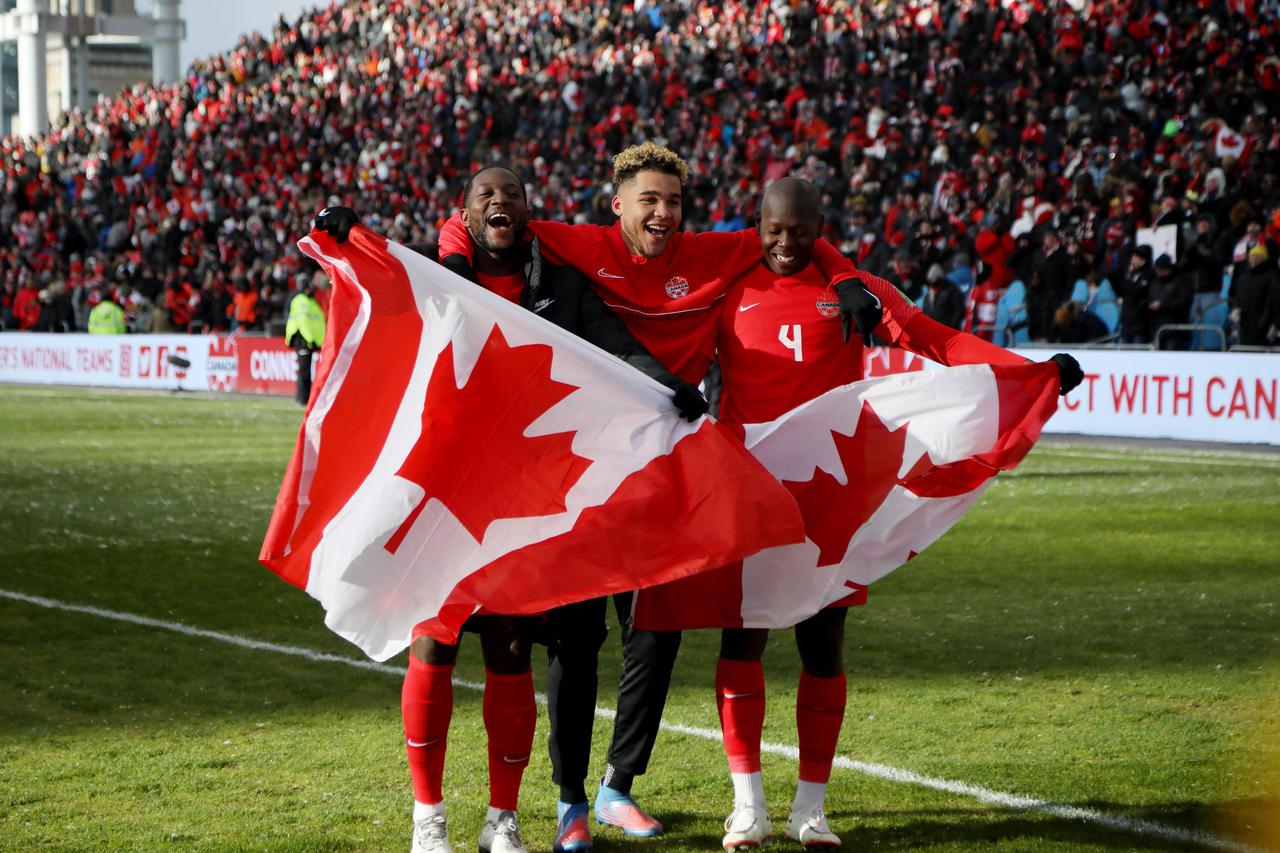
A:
(59, 54)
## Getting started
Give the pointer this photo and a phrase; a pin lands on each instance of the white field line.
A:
(1236, 460)
(880, 771)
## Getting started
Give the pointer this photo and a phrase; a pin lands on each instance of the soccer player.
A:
(666, 285)
(781, 343)
(495, 214)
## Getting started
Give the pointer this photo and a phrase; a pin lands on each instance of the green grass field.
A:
(1101, 633)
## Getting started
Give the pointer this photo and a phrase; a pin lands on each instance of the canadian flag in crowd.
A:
(1245, 8)
(881, 469)
(1228, 143)
(459, 451)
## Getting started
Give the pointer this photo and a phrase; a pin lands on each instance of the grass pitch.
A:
(1101, 633)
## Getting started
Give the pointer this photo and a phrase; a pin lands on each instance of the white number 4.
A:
(790, 337)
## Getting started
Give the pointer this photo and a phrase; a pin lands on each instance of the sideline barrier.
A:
(1194, 396)
(1197, 396)
(218, 362)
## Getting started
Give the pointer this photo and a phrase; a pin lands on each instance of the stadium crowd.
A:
(961, 145)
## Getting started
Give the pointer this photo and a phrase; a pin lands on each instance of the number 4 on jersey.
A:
(790, 337)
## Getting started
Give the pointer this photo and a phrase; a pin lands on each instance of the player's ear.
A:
(465, 216)
(616, 206)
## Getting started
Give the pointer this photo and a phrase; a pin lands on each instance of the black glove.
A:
(1069, 373)
(336, 222)
(689, 402)
(858, 305)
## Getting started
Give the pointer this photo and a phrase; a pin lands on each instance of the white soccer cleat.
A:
(502, 835)
(746, 829)
(811, 830)
(430, 835)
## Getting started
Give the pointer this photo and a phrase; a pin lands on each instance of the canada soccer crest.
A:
(828, 305)
(678, 286)
(222, 365)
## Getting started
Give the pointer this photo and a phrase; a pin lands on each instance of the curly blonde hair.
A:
(649, 157)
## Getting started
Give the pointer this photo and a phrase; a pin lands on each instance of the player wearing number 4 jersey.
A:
(667, 287)
(782, 343)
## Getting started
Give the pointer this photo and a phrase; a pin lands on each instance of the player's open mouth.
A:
(784, 260)
(658, 231)
(499, 222)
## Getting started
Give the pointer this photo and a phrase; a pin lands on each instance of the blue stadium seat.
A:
(1080, 293)
(1103, 306)
(1215, 315)
(1014, 305)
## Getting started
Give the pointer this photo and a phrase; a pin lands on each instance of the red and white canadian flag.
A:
(881, 469)
(1228, 143)
(460, 452)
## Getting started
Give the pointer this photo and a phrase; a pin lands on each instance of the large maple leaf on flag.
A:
(468, 433)
(881, 469)
(460, 452)
(870, 458)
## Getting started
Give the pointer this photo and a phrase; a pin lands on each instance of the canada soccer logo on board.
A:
(678, 286)
(223, 364)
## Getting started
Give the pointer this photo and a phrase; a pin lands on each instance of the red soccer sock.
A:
(426, 704)
(740, 701)
(819, 713)
(509, 719)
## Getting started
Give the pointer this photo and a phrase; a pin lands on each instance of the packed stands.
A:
(1010, 141)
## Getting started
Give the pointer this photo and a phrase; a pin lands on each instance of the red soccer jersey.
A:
(781, 345)
(669, 302)
(780, 341)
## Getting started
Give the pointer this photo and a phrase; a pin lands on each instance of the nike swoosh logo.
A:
(729, 695)
(600, 272)
(515, 760)
(419, 744)
(742, 308)
(540, 304)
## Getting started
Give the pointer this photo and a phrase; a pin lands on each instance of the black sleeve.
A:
(460, 265)
(600, 326)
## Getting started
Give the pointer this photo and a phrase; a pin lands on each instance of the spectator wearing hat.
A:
(1204, 261)
(1170, 299)
(1111, 260)
(1134, 288)
(980, 318)
(1255, 294)
(943, 300)
(1049, 286)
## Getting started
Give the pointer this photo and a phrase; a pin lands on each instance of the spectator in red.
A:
(26, 306)
(980, 318)
(244, 307)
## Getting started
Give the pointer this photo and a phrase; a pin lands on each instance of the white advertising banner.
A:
(1198, 396)
(217, 362)
(120, 361)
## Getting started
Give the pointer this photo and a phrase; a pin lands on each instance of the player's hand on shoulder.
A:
(689, 401)
(1069, 372)
(337, 221)
(858, 307)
